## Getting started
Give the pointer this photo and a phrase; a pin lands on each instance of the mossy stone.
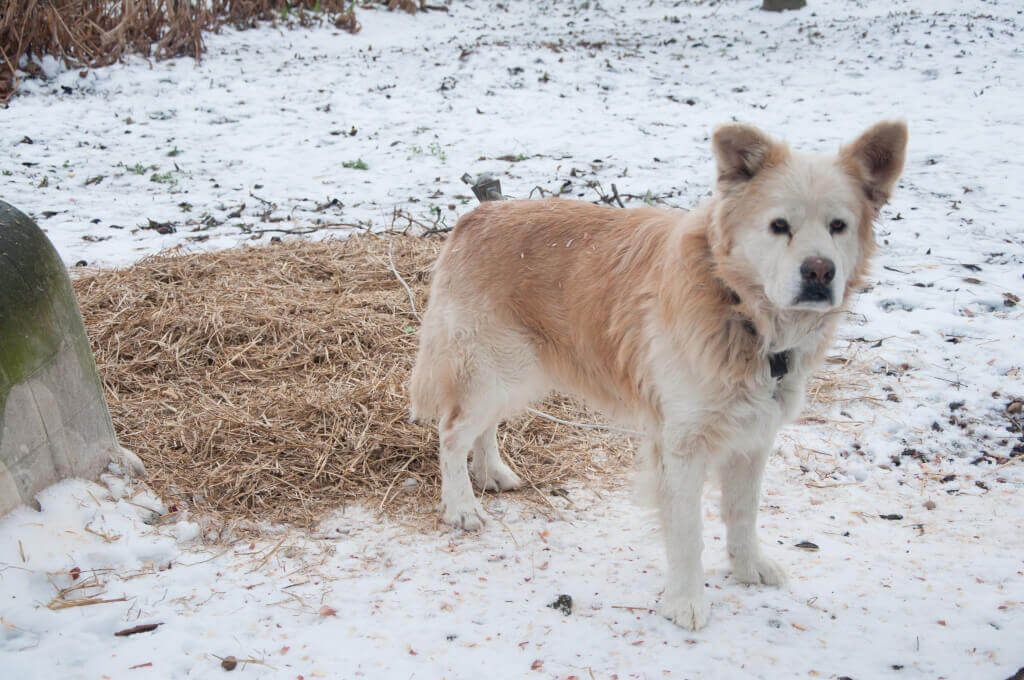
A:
(54, 421)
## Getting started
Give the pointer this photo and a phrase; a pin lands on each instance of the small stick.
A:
(107, 538)
(394, 270)
(615, 195)
(261, 200)
(997, 467)
(268, 555)
(244, 661)
(142, 628)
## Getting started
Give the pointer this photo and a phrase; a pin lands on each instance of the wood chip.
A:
(142, 628)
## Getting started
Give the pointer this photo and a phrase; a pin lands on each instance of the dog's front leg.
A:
(741, 495)
(684, 465)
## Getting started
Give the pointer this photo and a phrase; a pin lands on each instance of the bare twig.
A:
(615, 196)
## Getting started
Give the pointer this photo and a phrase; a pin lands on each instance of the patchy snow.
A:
(941, 601)
(601, 95)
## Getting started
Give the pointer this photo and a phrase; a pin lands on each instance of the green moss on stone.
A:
(38, 309)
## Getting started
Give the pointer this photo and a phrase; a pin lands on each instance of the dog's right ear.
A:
(742, 151)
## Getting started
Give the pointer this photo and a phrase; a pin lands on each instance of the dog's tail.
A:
(430, 383)
(423, 403)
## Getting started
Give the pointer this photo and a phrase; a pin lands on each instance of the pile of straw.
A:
(269, 383)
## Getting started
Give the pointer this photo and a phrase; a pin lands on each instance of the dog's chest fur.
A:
(734, 413)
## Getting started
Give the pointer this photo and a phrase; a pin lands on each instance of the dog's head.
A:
(796, 228)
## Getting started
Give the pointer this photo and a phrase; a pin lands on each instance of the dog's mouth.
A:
(814, 294)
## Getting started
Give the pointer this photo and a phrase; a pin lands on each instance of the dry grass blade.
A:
(269, 383)
(65, 597)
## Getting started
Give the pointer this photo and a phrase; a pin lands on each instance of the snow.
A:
(609, 93)
(940, 601)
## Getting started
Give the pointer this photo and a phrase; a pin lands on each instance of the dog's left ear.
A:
(876, 159)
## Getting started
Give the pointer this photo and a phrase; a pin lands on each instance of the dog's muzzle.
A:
(816, 274)
(814, 292)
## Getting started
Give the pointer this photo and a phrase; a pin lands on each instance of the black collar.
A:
(778, 363)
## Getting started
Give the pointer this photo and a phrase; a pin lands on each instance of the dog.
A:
(699, 328)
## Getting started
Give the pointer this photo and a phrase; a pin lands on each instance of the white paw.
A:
(500, 479)
(469, 518)
(690, 613)
(757, 570)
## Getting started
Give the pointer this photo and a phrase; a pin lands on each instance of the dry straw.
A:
(269, 383)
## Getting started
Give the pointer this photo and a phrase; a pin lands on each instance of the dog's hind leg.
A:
(457, 433)
(489, 471)
(493, 373)
(741, 494)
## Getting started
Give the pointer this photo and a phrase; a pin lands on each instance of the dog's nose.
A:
(818, 270)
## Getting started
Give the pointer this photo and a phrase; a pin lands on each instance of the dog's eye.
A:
(780, 226)
(837, 226)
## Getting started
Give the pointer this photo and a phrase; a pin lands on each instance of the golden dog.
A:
(699, 328)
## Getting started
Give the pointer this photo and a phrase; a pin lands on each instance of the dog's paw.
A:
(500, 479)
(690, 613)
(468, 519)
(759, 570)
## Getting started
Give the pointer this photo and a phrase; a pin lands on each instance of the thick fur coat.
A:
(699, 328)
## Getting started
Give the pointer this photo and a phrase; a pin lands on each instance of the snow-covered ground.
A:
(255, 138)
